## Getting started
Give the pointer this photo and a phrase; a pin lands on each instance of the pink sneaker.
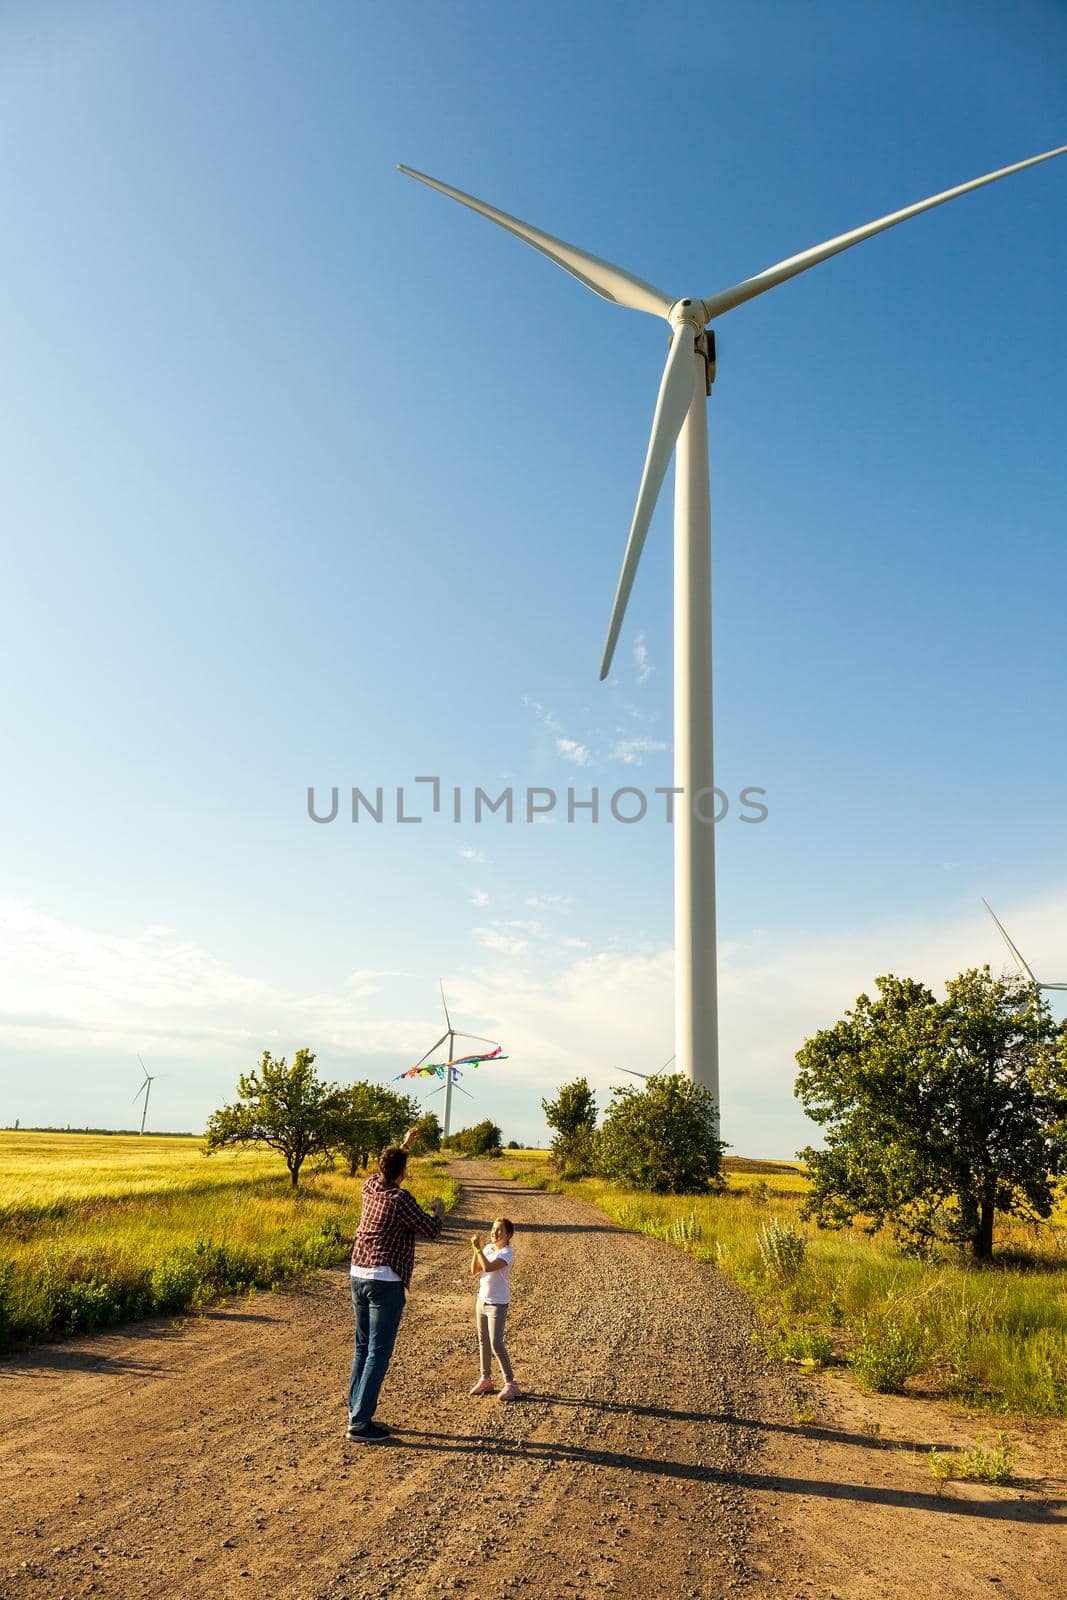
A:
(510, 1391)
(483, 1386)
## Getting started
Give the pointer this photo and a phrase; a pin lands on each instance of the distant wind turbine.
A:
(145, 1089)
(681, 420)
(1020, 962)
(451, 1034)
(645, 1075)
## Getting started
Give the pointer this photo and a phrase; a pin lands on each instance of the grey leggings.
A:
(490, 1321)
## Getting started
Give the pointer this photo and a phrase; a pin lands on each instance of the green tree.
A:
(287, 1108)
(662, 1139)
(429, 1132)
(572, 1117)
(367, 1117)
(481, 1140)
(938, 1114)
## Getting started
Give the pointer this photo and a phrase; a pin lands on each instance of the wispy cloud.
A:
(632, 749)
(542, 714)
(571, 750)
(643, 665)
(547, 902)
(504, 944)
(479, 898)
(468, 853)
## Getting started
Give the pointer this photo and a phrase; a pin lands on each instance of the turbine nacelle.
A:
(689, 314)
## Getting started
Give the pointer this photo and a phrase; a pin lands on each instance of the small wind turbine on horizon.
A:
(1020, 962)
(145, 1089)
(679, 428)
(451, 1034)
(645, 1075)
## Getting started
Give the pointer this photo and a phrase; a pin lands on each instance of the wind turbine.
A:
(630, 1073)
(451, 1034)
(679, 427)
(145, 1089)
(1020, 962)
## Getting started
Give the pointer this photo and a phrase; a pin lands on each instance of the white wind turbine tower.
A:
(145, 1089)
(680, 420)
(1019, 961)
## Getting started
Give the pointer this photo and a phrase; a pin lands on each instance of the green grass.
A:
(994, 1338)
(99, 1230)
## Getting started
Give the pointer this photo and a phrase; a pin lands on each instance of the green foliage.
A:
(782, 1248)
(572, 1117)
(365, 1117)
(662, 1139)
(429, 1133)
(287, 1108)
(886, 1354)
(802, 1342)
(481, 1140)
(938, 1114)
(996, 1465)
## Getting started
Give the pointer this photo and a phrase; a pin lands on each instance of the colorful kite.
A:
(437, 1069)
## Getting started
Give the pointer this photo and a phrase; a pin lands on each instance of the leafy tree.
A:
(288, 1108)
(481, 1140)
(572, 1116)
(367, 1117)
(938, 1113)
(429, 1132)
(662, 1139)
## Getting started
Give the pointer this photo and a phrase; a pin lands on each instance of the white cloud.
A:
(468, 853)
(644, 667)
(479, 898)
(542, 714)
(502, 943)
(547, 902)
(93, 997)
(571, 750)
(632, 749)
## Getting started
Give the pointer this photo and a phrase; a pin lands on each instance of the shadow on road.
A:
(1047, 1511)
(728, 1419)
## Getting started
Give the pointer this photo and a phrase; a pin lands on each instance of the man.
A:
(383, 1256)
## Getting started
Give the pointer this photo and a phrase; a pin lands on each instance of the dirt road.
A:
(656, 1454)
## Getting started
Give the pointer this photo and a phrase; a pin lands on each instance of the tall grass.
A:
(995, 1338)
(99, 1230)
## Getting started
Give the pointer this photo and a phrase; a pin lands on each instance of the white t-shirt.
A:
(495, 1287)
(375, 1274)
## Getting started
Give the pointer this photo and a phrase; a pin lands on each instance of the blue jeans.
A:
(378, 1307)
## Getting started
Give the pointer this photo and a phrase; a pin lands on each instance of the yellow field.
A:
(100, 1228)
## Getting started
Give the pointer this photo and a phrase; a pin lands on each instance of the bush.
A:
(782, 1249)
(886, 1355)
(662, 1139)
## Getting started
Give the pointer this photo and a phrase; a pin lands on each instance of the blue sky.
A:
(310, 477)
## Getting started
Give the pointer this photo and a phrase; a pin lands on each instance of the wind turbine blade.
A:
(727, 299)
(139, 1093)
(631, 1074)
(448, 1019)
(480, 1037)
(605, 279)
(144, 1069)
(672, 405)
(1004, 935)
(431, 1050)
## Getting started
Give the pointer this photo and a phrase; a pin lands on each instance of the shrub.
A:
(885, 1356)
(662, 1139)
(782, 1249)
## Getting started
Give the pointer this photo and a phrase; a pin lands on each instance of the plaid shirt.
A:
(390, 1220)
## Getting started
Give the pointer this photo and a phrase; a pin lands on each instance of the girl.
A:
(494, 1297)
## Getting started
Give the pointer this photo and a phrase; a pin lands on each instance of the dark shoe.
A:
(370, 1433)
